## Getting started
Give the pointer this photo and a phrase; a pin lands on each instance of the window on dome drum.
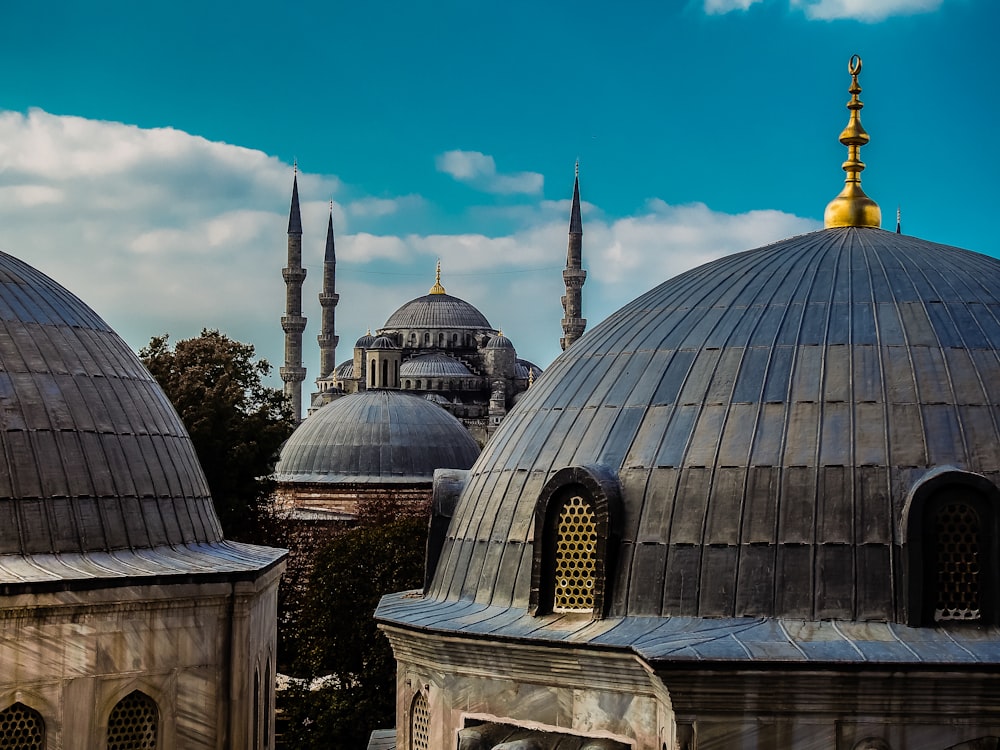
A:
(958, 561)
(21, 728)
(133, 723)
(575, 556)
(420, 723)
(952, 560)
(577, 530)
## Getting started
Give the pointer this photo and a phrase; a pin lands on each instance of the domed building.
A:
(365, 445)
(127, 619)
(757, 507)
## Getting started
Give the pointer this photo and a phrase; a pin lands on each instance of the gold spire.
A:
(852, 208)
(437, 288)
(531, 377)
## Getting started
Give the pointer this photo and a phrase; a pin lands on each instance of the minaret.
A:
(292, 322)
(328, 299)
(573, 324)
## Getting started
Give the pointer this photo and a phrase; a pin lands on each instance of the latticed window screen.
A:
(576, 556)
(21, 728)
(958, 536)
(133, 723)
(420, 724)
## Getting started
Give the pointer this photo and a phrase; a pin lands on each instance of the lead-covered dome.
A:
(96, 460)
(433, 366)
(758, 429)
(375, 437)
(437, 310)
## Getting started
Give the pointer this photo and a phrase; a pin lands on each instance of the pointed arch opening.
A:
(21, 728)
(420, 722)
(134, 723)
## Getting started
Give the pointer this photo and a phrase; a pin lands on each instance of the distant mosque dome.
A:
(437, 311)
(375, 437)
(433, 366)
(365, 341)
(499, 342)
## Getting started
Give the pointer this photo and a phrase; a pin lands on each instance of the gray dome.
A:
(437, 311)
(383, 342)
(523, 369)
(379, 437)
(499, 342)
(763, 420)
(364, 342)
(433, 366)
(97, 459)
(344, 370)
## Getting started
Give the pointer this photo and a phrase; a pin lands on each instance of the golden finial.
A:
(437, 288)
(531, 376)
(852, 208)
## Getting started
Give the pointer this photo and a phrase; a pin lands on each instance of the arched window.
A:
(418, 385)
(371, 376)
(134, 723)
(21, 728)
(576, 532)
(951, 524)
(385, 373)
(407, 385)
(420, 723)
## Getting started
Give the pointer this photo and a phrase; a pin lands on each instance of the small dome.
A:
(344, 370)
(433, 366)
(364, 342)
(766, 416)
(376, 437)
(437, 311)
(499, 342)
(383, 342)
(97, 460)
(523, 369)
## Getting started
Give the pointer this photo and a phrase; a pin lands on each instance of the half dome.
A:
(766, 418)
(433, 366)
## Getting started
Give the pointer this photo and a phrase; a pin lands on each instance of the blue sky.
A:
(146, 149)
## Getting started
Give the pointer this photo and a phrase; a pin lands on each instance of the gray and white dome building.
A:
(126, 619)
(757, 507)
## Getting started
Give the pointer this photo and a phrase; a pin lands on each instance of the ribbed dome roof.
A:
(364, 342)
(379, 437)
(344, 370)
(433, 366)
(437, 311)
(96, 458)
(499, 342)
(766, 416)
(383, 342)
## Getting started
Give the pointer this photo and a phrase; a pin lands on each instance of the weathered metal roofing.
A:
(766, 416)
(345, 370)
(377, 437)
(696, 640)
(433, 366)
(499, 342)
(382, 342)
(523, 368)
(96, 465)
(437, 311)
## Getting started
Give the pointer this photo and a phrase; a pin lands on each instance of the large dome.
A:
(96, 458)
(759, 426)
(437, 311)
(376, 437)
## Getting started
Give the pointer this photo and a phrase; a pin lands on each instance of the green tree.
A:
(236, 422)
(339, 637)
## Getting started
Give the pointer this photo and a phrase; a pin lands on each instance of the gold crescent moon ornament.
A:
(854, 66)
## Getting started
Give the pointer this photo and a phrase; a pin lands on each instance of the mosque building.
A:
(126, 619)
(757, 507)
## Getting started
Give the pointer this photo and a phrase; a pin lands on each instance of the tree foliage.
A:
(339, 637)
(236, 422)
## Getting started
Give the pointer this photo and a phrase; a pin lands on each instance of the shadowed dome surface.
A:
(96, 459)
(377, 437)
(766, 415)
(433, 366)
(437, 311)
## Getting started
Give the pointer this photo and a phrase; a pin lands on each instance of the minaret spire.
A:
(328, 298)
(573, 324)
(292, 322)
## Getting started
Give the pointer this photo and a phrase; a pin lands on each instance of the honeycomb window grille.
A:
(420, 723)
(958, 553)
(575, 556)
(21, 728)
(133, 723)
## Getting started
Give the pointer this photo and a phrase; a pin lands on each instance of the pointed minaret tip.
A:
(294, 217)
(437, 288)
(575, 219)
(852, 208)
(330, 256)
(899, 220)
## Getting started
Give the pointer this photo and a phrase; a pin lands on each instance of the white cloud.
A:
(158, 244)
(864, 10)
(479, 170)
(718, 7)
(868, 11)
